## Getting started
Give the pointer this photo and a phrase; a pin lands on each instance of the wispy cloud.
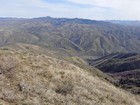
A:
(92, 9)
(123, 9)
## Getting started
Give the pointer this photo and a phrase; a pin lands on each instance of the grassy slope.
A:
(58, 54)
(29, 78)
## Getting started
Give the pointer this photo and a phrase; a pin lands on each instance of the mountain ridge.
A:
(73, 35)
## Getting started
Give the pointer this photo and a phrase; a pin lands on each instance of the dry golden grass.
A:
(37, 79)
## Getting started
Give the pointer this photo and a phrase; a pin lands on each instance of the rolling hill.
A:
(32, 78)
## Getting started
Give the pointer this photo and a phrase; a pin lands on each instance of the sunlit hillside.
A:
(29, 78)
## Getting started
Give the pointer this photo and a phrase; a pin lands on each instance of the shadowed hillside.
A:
(123, 67)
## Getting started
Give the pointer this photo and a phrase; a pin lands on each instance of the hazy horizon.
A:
(89, 9)
(68, 18)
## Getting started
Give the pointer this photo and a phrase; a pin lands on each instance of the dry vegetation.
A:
(37, 79)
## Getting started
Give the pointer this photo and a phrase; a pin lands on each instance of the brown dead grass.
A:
(42, 80)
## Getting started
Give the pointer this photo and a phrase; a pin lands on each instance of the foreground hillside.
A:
(37, 79)
(125, 67)
(59, 55)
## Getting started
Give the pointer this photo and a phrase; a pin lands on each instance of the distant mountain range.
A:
(126, 22)
(81, 37)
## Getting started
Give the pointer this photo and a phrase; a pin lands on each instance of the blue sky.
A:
(90, 9)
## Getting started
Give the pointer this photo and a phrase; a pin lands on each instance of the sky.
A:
(88, 9)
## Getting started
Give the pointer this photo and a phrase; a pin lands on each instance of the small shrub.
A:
(65, 89)
(7, 64)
